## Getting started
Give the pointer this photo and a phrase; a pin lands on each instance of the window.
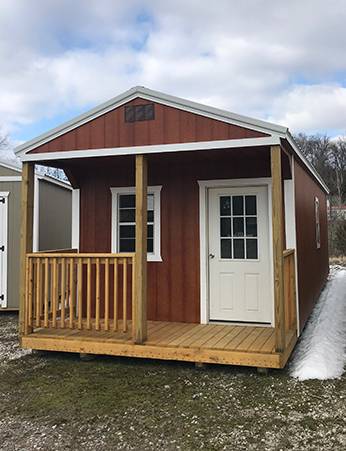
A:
(134, 113)
(317, 223)
(124, 221)
(238, 227)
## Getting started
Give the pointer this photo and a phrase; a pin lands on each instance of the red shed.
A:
(199, 235)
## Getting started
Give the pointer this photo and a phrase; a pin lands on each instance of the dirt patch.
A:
(57, 402)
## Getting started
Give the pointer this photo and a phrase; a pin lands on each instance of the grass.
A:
(58, 402)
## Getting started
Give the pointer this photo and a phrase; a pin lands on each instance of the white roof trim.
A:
(160, 148)
(155, 96)
(8, 165)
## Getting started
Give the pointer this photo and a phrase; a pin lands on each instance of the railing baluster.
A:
(106, 294)
(71, 291)
(38, 292)
(30, 293)
(124, 294)
(89, 294)
(80, 293)
(46, 289)
(97, 310)
(63, 292)
(133, 290)
(54, 292)
(115, 294)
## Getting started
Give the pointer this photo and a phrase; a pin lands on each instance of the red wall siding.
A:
(313, 263)
(169, 126)
(173, 284)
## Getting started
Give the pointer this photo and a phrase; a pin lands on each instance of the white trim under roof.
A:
(158, 148)
(55, 181)
(8, 165)
(155, 96)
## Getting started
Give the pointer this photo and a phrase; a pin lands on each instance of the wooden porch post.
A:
(278, 240)
(139, 314)
(26, 233)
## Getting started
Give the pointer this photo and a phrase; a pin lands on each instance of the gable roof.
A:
(274, 130)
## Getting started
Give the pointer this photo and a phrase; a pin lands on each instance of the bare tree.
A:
(337, 153)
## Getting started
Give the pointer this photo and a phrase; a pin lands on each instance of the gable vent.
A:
(134, 113)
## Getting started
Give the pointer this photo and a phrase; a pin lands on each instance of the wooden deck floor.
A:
(223, 344)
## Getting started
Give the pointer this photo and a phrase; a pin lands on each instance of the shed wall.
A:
(174, 283)
(7, 172)
(313, 264)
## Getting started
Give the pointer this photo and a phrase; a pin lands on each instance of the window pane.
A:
(226, 248)
(150, 231)
(127, 215)
(127, 231)
(225, 227)
(251, 226)
(250, 205)
(150, 204)
(150, 244)
(238, 205)
(127, 201)
(127, 245)
(251, 249)
(225, 205)
(238, 226)
(150, 216)
(238, 248)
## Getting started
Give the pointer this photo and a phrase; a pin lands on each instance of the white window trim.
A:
(156, 191)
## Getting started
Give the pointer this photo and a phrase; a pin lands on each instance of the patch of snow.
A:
(321, 352)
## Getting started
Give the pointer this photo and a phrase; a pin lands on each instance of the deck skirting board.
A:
(202, 355)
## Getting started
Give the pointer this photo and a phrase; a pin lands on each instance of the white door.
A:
(239, 257)
(3, 249)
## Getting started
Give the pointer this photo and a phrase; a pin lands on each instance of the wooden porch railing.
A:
(290, 290)
(78, 291)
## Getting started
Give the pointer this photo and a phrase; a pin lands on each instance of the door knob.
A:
(211, 255)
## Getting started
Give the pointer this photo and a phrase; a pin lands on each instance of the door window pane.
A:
(226, 248)
(238, 248)
(238, 227)
(127, 245)
(127, 231)
(251, 226)
(250, 205)
(127, 215)
(225, 205)
(238, 205)
(226, 228)
(251, 249)
(127, 201)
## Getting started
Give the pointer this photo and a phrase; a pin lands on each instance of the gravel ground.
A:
(54, 401)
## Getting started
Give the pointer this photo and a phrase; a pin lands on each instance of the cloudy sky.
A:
(275, 60)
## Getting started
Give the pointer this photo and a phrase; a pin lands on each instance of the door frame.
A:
(3, 275)
(204, 186)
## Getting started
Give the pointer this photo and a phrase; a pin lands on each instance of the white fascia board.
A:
(155, 96)
(307, 163)
(10, 166)
(159, 148)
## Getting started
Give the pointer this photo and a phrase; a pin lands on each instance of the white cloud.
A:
(279, 61)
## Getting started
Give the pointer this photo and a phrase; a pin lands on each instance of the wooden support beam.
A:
(278, 240)
(26, 234)
(139, 312)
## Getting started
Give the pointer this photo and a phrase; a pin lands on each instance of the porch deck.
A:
(222, 344)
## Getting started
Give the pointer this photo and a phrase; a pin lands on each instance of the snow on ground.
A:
(321, 352)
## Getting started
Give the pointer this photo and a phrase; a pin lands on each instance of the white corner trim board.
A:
(156, 191)
(75, 218)
(204, 185)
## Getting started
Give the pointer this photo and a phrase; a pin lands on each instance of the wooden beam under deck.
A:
(219, 344)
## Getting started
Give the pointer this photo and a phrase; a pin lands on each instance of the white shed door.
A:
(239, 260)
(3, 249)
